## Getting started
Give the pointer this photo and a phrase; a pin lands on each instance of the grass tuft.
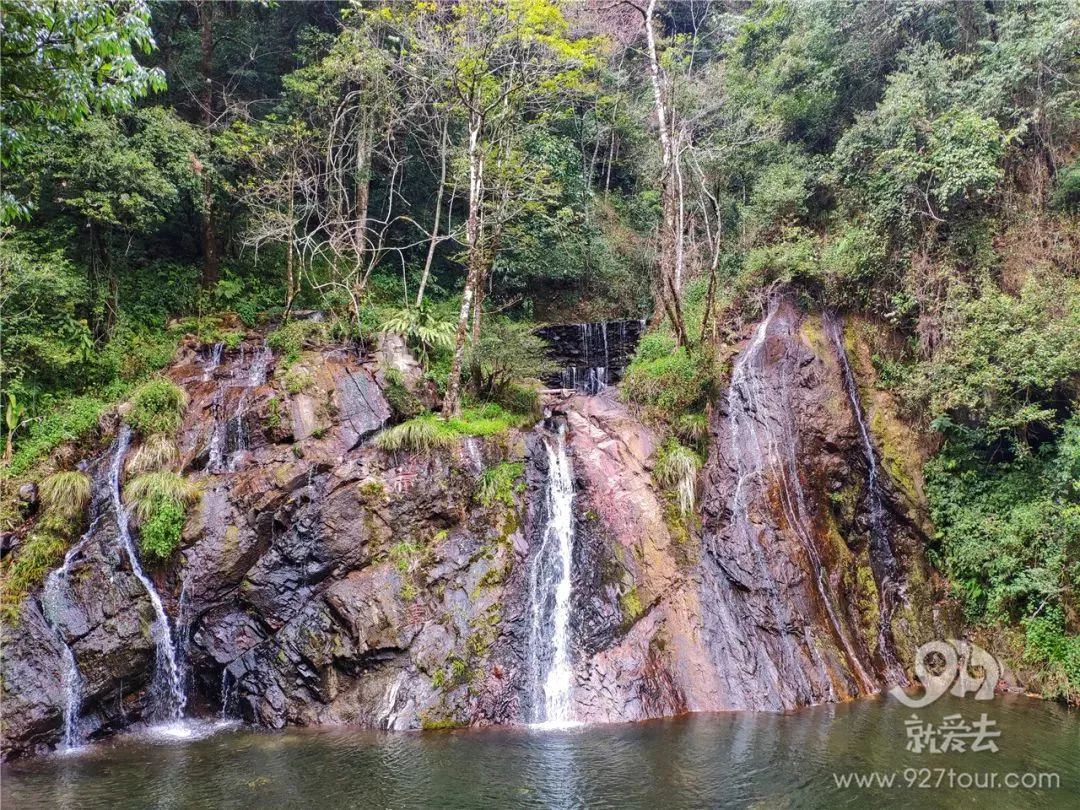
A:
(676, 469)
(147, 493)
(158, 452)
(65, 495)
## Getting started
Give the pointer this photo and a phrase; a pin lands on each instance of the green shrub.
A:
(676, 468)
(424, 329)
(1066, 195)
(159, 535)
(521, 399)
(670, 385)
(157, 452)
(500, 483)
(654, 346)
(508, 352)
(297, 380)
(157, 407)
(404, 404)
(42, 551)
(289, 339)
(159, 500)
(65, 495)
(74, 421)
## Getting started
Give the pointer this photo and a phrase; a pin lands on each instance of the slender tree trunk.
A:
(434, 241)
(452, 400)
(211, 262)
(364, 148)
(290, 279)
(669, 235)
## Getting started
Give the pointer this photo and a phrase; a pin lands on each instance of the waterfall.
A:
(53, 600)
(763, 442)
(228, 693)
(167, 687)
(590, 356)
(229, 439)
(882, 557)
(550, 591)
(214, 362)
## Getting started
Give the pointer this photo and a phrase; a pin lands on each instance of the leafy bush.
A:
(42, 551)
(500, 483)
(1048, 642)
(1005, 358)
(157, 407)
(290, 338)
(670, 385)
(404, 404)
(423, 329)
(65, 495)
(159, 500)
(654, 346)
(74, 421)
(509, 351)
(159, 534)
(675, 468)
(1066, 195)
(157, 452)
(1008, 537)
(150, 490)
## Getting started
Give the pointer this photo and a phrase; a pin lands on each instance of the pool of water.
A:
(738, 759)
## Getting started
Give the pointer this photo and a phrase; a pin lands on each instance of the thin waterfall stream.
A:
(880, 545)
(167, 688)
(551, 588)
(760, 448)
(53, 600)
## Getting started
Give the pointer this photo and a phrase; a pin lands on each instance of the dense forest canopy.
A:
(461, 171)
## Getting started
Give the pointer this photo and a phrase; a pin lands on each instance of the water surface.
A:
(734, 760)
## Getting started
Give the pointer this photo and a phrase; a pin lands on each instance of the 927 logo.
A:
(957, 667)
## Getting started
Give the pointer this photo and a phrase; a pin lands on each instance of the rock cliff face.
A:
(322, 580)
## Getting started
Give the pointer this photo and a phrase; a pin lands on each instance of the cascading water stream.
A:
(53, 598)
(168, 686)
(220, 456)
(758, 449)
(883, 557)
(550, 592)
(215, 361)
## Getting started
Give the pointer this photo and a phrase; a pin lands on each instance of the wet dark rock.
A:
(28, 494)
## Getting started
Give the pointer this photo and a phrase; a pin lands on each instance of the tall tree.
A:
(62, 60)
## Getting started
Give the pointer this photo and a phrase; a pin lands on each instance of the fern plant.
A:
(422, 328)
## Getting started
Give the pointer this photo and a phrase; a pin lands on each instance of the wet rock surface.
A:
(324, 581)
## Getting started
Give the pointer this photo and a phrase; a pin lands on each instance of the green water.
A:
(736, 760)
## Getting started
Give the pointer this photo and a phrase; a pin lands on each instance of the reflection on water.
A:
(740, 759)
